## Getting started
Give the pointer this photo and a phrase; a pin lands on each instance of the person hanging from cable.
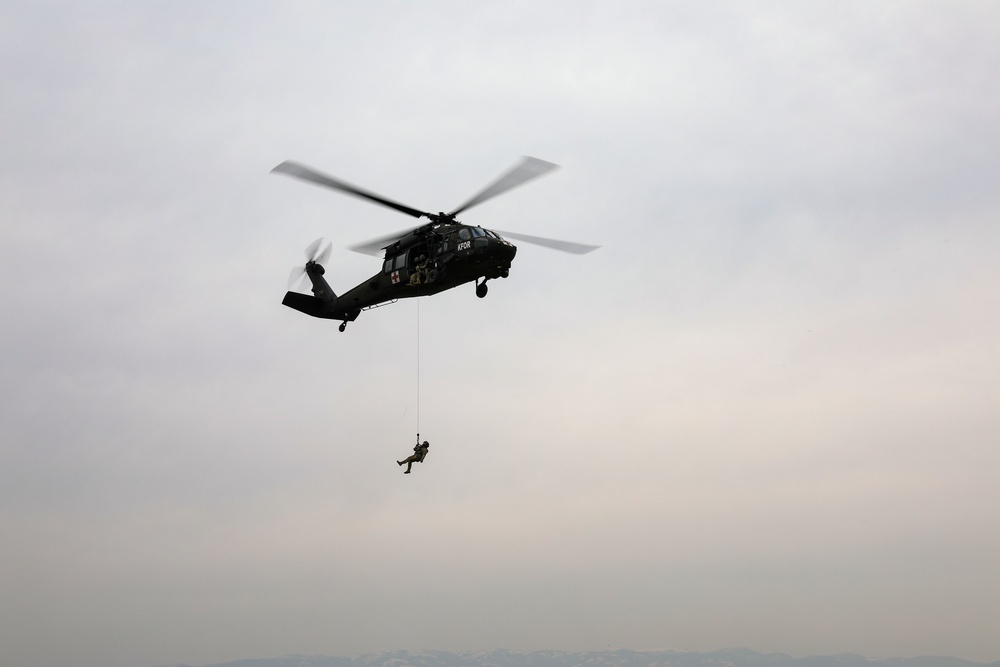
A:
(419, 453)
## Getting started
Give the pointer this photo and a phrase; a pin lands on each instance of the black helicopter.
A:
(436, 256)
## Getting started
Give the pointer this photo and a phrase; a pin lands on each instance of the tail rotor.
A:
(315, 259)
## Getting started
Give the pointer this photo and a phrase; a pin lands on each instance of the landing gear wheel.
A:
(343, 325)
(481, 289)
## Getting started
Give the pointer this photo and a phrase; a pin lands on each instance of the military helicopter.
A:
(436, 256)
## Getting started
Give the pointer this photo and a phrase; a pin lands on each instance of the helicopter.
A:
(438, 255)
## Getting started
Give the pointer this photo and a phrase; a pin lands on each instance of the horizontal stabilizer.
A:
(310, 305)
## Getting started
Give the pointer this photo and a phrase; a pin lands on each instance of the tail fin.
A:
(315, 258)
(320, 288)
(320, 305)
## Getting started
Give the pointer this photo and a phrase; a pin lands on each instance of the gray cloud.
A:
(763, 414)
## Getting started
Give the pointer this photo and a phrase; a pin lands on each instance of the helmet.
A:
(427, 443)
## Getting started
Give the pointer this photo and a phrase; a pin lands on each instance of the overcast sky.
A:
(766, 413)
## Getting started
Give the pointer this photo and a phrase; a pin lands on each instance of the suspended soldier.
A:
(419, 452)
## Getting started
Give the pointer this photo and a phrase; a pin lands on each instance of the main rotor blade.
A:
(375, 246)
(307, 174)
(527, 169)
(555, 244)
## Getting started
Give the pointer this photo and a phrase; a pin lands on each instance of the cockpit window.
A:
(477, 232)
(491, 234)
(463, 234)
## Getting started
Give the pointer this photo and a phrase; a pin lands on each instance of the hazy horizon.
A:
(610, 657)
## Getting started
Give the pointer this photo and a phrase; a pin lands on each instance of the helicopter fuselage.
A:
(426, 261)
(433, 257)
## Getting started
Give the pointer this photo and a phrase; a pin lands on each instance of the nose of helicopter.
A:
(496, 248)
(505, 250)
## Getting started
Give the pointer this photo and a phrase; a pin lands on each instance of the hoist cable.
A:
(418, 370)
